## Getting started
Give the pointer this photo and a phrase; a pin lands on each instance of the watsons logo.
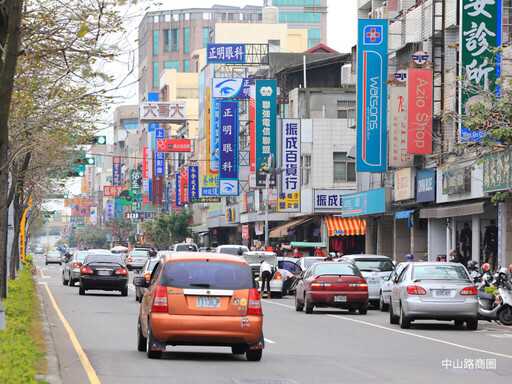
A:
(372, 34)
(373, 110)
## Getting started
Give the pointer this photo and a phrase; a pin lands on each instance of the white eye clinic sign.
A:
(162, 111)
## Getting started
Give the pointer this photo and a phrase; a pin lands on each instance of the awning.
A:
(306, 244)
(404, 214)
(282, 230)
(452, 211)
(342, 226)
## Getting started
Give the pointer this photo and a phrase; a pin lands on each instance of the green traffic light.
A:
(65, 196)
(81, 174)
(91, 161)
(100, 140)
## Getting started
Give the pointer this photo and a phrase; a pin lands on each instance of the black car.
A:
(146, 272)
(104, 272)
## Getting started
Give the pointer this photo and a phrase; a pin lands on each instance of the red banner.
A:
(145, 163)
(173, 145)
(158, 185)
(184, 186)
(419, 111)
(112, 190)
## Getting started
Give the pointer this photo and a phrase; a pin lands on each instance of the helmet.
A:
(486, 267)
(510, 268)
(472, 265)
(504, 271)
(409, 257)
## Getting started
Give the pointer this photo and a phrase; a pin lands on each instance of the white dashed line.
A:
(269, 341)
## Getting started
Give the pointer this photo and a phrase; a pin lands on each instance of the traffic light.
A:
(99, 140)
(75, 174)
(84, 161)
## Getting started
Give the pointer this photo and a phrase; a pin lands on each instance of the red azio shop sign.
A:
(419, 111)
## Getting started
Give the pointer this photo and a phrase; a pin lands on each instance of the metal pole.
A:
(267, 186)
(304, 70)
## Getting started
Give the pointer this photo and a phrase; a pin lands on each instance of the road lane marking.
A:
(91, 373)
(42, 274)
(269, 341)
(406, 333)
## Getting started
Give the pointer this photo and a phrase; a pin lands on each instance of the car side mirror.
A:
(394, 279)
(140, 281)
(386, 278)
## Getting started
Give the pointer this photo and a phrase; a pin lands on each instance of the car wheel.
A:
(459, 323)
(45, 263)
(149, 340)
(505, 315)
(136, 294)
(298, 306)
(392, 318)
(71, 282)
(124, 291)
(404, 321)
(64, 281)
(279, 295)
(81, 291)
(363, 311)
(472, 324)
(238, 350)
(254, 354)
(141, 340)
(382, 305)
(307, 304)
(351, 310)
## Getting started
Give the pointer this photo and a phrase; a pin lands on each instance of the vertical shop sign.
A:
(419, 111)
(193, 182)
(228, 168)
(214, 136)
(252, 127)
(398, 156)
(184, 186)
(116, 170)
(177, 190)
(266, 130)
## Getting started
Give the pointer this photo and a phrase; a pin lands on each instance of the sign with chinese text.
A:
(214, 136)
(365, 203)
(266, 130)
(245, 232)
(78, 219)
(290, 156)
(135, 180)
(497, 175)
(252, 128)
(404, 184)
(145, 163)
(173, 145)
(228, 167)
(419, 111)
(193, 182)
(112, 190)
(109, 212)
(481, 27)
(457, 180)
(177, 189)
(159, 163)
(168, 196)
(425, 185)
(209, 185)
(206, 200)
(225, 53)
(288, 202)
(231, 88)
(162, 111)
(116, 170)
(372, 72)
(328, 200)
(159, 133)
(398, 156)
(184, 186)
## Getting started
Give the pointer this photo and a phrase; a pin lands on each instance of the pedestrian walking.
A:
(465, 241)
(491, 244)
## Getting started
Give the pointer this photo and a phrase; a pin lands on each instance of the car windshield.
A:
(336, 269)
(139, 253)
(80, 256)
(439, 272)
(374, 265)
(206, 274)
(308, 262)
(103, 259)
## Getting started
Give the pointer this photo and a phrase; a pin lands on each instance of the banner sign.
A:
(77, 219)
(364, 203)
(481, 32)
(419, 111)
(209, 185)
(168, 196)
(290, 156)
(135, 180)
(184, 186)
(109, 212)
(425, 185)
(456, 180)
(93, 215)
(214, 136)
(225, 53)
(163, 111)
(266, 130)
(178, 190)
(193, 182)
(145, 163)
(288, 203)
(228, 167)
(231, 88)
(328, 200)
(112, 190)
(404, 184)
(206, 200)
(159, 133)
(116, 170)
(372, 68)
(497, 175)
(252, 128)
(208, 125)
(398, 156)
(173, 145)
(159, 163)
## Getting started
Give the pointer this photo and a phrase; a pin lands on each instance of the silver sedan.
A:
(434, 291)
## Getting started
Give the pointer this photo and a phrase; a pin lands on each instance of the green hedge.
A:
(17, 349)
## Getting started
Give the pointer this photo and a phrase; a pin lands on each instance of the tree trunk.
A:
(14, 264)
(10, 30)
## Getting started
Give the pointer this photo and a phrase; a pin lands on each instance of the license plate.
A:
(373, 282)
(443, 292)
(103, 273)
(208, 302)
(340, 298)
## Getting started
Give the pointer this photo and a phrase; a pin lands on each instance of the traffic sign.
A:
(420, 58)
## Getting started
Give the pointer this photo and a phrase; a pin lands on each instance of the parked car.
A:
(232, 249)
(200, 299)
(53, 257)
(104, 272)
(434, 291)
(184, 247)
(374, 268)
(146, 272)
(136, 259)
(387, 285)
(306, 261)
(328, 284)
(71, 270)
(39, 251)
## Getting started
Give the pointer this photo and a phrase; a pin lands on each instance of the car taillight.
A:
(76, 265)
(47, 256)
(469, 291)
(277, 276)
(254, 304)
(122, 271)
(148, 277)
(160, 300)
(416, 290)
(129, 260)
(86, 270)
(319, 285)
(359, 286)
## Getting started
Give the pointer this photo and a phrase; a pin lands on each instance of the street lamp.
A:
(269, 170)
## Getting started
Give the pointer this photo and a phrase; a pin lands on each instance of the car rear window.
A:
(206, 274)
(54, 253)
(80, 256)
(232, 250)
(308, 262)
(185, 248)
(103, 259)
(439, 272)
(139, 253)
(336, 269)
(374, 265)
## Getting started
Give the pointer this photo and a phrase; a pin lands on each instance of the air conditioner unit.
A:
(382, 12)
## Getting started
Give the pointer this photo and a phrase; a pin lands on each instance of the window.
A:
(167, 40)
(155, 42)
(175, 64)
(167, 18)
(156, 75)
(175, 39)
(186, 40)
(130, 124)
(176, 17)
(344, 168)
(346, 109)
(206, 35)
(186, 65)
(206, 16)
(99, 160)
(299, 17)
(313, 38)
(306, 169)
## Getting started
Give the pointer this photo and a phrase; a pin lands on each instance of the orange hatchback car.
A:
(196, 298)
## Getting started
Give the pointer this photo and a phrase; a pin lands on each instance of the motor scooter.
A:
(495, 307)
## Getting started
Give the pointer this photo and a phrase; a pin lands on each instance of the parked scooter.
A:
(476, 276)
(497, 308)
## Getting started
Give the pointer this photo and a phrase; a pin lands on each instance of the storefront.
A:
(346, 235)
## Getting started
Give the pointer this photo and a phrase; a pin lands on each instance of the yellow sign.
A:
(291, 200)
(22, 232)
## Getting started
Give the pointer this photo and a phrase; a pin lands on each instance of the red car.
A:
(331, 284)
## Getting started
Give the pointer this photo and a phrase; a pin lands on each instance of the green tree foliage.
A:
(168, 229)
(121, 229)
(93, 236)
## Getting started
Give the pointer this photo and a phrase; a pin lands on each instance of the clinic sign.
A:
(372, 71)
(228, 166)
(481, 27)
(225, 53)
(266, 127)
(419, 111)
(231, 88)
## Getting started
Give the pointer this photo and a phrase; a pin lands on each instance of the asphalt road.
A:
(328, 346)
